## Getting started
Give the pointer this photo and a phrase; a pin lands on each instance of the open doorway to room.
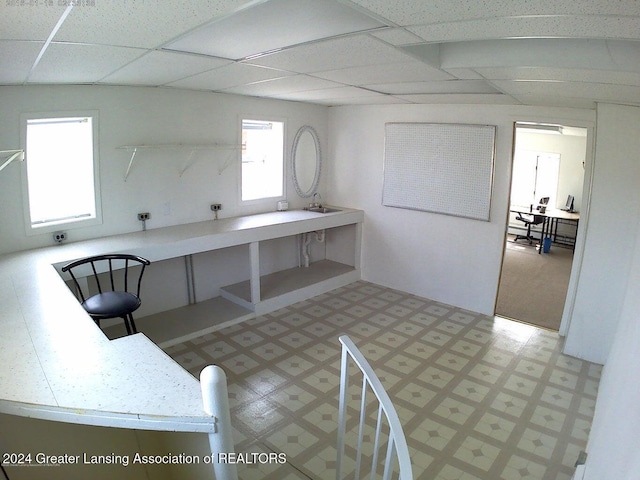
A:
(546, 196)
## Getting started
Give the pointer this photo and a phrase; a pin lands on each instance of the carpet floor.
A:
(533, 287)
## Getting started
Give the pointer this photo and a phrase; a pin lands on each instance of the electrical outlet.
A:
(144, 216)
(216, 207)
(59, 237)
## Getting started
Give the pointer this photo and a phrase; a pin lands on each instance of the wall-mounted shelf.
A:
(191, 148)
(13, 155)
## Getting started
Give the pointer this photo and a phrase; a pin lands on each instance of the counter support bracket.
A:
(191, 282)
(254, 253)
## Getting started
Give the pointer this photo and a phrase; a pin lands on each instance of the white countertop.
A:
(56, 364)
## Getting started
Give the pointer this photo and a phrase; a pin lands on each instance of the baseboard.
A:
(579, 473)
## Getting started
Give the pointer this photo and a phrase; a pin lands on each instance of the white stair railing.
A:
(215, 399)
(397, 451)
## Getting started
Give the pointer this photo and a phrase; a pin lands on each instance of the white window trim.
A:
(67, 224)
(266, 200)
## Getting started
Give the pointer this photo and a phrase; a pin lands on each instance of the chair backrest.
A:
(101, 264)
(387, 429)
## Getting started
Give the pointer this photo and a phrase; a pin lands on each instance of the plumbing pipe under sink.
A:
(306, 242)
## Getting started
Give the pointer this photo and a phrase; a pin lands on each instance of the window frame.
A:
(263, 118)
(50, 227)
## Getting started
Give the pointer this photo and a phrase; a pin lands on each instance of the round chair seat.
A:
(111, 304)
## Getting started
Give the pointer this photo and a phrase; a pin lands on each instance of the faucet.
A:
(315, 203)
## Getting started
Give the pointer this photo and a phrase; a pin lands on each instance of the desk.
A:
(552, 217)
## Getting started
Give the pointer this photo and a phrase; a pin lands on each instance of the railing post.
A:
(215, 399)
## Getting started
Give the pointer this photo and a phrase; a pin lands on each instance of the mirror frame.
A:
(294, 148)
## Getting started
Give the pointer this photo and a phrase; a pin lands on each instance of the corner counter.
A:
(56, 364)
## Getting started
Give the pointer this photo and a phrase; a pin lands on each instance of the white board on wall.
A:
(440, 168)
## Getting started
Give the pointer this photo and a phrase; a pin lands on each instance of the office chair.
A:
(530, 220)
(113, 303)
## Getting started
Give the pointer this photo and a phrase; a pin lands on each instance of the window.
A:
(535, 175)
(61, 174)
(262, 173)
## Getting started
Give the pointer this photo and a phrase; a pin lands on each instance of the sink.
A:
(321, 209)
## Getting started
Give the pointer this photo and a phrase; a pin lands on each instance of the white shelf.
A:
(186, 323)
(292, 285)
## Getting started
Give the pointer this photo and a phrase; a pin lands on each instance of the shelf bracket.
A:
(193, 148)
(133, 155)
(13, 155)
(188, 163)
(227, 162)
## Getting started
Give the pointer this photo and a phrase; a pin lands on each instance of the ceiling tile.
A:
(561, 74)
(74, 63)
(145, 24)
(403, 12)
(159, 68)
(28, 22)
(449, 86)
(464, 73)
(331, 96)
(282, 86)
(16, 59)
(461, 98)
(273, 25)
(228, 76)
(385, 73)
(535, 52)
(579, 90)
(397, 36)
(377, 100)
(531, 27)
(553, 101)
(345, 52)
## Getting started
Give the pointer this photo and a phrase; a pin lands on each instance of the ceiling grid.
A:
(336, 52)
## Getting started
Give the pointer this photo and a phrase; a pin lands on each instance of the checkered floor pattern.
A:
(479, 398)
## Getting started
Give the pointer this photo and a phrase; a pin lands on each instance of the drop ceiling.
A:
(335, 52)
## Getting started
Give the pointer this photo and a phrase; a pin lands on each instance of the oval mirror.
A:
(306, 161)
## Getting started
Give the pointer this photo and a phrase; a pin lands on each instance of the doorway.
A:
(548, 162)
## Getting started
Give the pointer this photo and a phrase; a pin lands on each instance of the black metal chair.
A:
(533, 219)
(117, 302)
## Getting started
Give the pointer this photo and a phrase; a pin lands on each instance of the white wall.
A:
(606, 321)
(611, 234)
(448, 259)
(614, 442)
(139, 115)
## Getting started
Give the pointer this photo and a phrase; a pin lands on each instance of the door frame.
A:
(581, 234)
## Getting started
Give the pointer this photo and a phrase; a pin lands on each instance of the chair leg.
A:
(529, 234)
(126, 324)
(133, 324)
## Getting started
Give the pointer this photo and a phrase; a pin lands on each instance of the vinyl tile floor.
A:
(480, 398)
